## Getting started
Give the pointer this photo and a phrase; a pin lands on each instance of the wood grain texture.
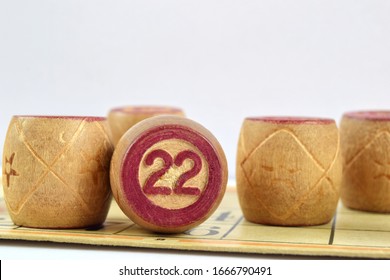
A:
(365, 143)
(56, 171)
(122, 118)
(288, 170)
(168, 174)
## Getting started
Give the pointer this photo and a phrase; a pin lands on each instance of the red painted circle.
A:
(369, 115)
(158, 215)
(292, 120)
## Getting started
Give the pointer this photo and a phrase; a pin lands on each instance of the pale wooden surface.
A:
(56, 171)
(350, 234)
(366, 164)
(121, 119)
(288, 174)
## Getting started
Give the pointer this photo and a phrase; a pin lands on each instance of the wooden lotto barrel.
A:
(365, 143)
(56, 171)
(122, 118)
(168, 174)
(288, 170)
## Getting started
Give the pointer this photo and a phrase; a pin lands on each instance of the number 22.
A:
(151, 188)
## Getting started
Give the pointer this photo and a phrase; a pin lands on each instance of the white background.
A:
(280, 269)
(218, 60)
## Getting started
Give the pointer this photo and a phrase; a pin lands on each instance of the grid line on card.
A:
(233, 227)
(332, 230)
